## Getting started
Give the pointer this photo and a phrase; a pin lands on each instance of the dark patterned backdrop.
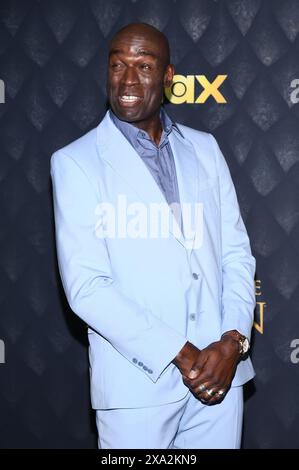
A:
(53, 66)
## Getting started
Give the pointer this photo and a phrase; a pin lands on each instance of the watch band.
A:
(242, 340)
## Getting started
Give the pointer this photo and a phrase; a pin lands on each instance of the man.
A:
(169, 316)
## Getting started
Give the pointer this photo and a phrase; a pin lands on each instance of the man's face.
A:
(137, 75)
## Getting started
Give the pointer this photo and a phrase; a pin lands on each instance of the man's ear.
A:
(168, 76)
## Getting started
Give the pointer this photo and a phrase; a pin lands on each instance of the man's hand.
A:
(209, 370)
(186, 358)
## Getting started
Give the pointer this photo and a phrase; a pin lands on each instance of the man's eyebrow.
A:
(140, 52)
(146, 52)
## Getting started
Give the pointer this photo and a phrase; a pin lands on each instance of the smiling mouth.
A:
(129, 100)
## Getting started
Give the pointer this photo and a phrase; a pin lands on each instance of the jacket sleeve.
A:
(92, 292)
(238, 264)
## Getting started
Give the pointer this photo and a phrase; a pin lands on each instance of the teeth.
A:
(129, 98)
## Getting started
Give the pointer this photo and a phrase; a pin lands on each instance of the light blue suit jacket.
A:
(139, 296)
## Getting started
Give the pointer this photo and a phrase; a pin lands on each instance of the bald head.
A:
(156, 38)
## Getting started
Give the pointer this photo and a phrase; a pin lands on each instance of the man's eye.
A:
(145, 66)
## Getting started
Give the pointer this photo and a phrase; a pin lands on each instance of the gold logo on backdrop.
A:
(182, 89)
(260, 308)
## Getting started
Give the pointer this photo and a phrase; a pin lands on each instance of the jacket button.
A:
(192, 316)
(195, 276)
(150, 371)
(135, 360)
(140, 364)
(145, 368)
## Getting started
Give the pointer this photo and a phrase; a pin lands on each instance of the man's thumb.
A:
(193, 373)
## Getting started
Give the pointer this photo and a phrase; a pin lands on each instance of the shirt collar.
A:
(167, 123)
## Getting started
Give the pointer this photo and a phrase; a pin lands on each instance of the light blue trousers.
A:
(185, 424)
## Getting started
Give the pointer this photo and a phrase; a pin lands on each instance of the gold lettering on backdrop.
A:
(211, 89)
(258, 324)
(182, 89)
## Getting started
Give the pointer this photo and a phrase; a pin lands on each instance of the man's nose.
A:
(130, 76)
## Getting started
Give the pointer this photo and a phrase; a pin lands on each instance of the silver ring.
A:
(202, 388)
(210, 392)
(220, 392)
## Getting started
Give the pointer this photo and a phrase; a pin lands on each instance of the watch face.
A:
(245, 345)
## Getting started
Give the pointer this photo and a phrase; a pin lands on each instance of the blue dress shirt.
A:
(158, 158)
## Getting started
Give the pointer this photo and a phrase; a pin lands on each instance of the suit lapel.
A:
(118, 152)
(187, 170)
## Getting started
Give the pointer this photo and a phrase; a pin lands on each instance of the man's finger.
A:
(194, 372)
(197, 368)
(205, 373)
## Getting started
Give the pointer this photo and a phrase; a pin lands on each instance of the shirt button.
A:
(192, 316)
(195, 276)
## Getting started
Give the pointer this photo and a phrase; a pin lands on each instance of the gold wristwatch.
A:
(243, 341)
